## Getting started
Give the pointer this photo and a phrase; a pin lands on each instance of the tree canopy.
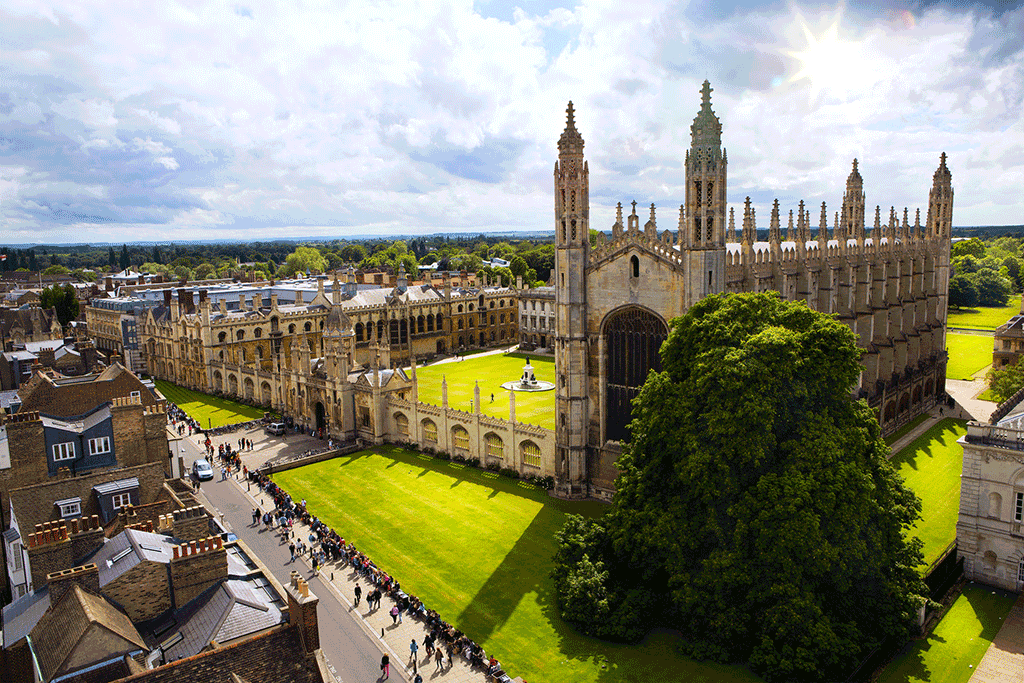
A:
(301, 260)
(755, 510)
(62, 299)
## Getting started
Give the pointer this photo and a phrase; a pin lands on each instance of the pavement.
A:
(352, 638)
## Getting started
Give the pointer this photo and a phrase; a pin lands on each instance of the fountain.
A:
(528, 382)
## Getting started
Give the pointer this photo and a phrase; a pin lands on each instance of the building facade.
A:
(537, 318)
(614, 301)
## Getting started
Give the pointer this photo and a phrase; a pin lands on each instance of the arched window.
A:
(995, 505)
(460, 437)
(258, 332)
(501, 303)
(990, 560)
(634, 264)
(471, 307)
(492, 304)
(359, 332)
(308, 327)
(402, 424)
(495, 446)
(291, 329)
(430, 322)
(421, 323)
(530, 453)
(240, 335)
(429, 431)
(460, 308)
(222, 337)
(440, 322)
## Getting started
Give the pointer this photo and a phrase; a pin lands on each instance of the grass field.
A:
(931, 466)
(209, 411)
(951, 652)
(984, 318)
(968, 353)
(898, 434)
(491, 372)
(477, 548)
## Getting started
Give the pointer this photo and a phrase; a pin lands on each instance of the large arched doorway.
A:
(321, 418)
(632, 339)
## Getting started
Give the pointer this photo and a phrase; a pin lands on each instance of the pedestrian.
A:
(394, 616)
(359, 593)
(223, 473)
(492, 397)
(413, 649)
(428, 645)
(255, 516)
(291, 549)
(385, 666)
(438, 660)
(417, 678)
(316, 565)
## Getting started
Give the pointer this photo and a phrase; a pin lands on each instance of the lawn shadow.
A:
(941, 436)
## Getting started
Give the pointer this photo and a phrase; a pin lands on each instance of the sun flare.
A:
(827, 61)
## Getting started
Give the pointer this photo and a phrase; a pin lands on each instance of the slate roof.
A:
(128, 549)
(33, 320)
(22, 615)
(67, 396)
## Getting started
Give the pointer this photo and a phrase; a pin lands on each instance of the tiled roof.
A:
(80, 630)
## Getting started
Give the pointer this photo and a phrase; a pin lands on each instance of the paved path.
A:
(1004, 659)
(350, 637)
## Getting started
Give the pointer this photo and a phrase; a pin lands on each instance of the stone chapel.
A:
(614, 300)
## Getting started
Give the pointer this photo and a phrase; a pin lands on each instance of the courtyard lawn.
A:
(951, 652)
(968, 354)
(209, 411)
(931, 467)
(477, 548)
(984, 318)
(491, 371)
(905, 429)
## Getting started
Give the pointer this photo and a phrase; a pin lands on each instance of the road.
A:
(353, 653)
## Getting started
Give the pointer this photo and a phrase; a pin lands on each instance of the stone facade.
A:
(614, 301)
(537, 318)
(1009, 341)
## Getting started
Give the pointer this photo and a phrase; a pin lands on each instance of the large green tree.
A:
(301, 260)
(755, 511)
(62, 299)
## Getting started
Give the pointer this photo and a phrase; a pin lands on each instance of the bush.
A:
(509, 472)
(493, 466)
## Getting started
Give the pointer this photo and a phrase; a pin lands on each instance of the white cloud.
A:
(417, 116)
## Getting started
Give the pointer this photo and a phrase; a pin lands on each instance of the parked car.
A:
(202, 469)
(275, 428)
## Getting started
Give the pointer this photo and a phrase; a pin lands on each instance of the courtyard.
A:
(969, 354)
(491, 371)
(477, 547)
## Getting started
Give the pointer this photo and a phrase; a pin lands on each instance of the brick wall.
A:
(28, 459)
(143, 591)
(87, 576)
(302, 606)
(49, 550)
(191, 524)
(86, 536)
(195, 566)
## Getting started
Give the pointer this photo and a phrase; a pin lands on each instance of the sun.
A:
(827, 62)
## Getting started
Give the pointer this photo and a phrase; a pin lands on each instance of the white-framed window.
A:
(120, 500)
(64, 451)
(99, 445)
(1018, 506)
(495, 446)
(17, 556)
(71, 510)
(136, 394)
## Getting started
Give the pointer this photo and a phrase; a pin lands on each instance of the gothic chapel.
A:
(614, 300)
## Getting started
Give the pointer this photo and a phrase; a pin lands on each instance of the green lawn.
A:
(968, 353)
(905, 429)
(984, 318)
(491, 372)
(950, 654)
(477, 548)
(931, 467)
(210, 411)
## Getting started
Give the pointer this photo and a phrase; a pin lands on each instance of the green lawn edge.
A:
(477, 547)
(968, 354)
(209, 411)
(984, 318)
(952, 651)
(905, 429)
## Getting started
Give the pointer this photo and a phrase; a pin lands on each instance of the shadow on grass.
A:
(941, 436)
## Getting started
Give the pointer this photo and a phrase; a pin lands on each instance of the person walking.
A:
(359, 594)
(255, 516)
(394, 616)
(438, 660)
(291, 549)
(413, 649)
(385, 666)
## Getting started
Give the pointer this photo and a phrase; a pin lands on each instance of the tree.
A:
(973, 246)
(301, 260)
(62, 299)
(111, 259)
(126, 260)
(755, 511)
(1006, 382)
(56, 270)
(204, 271)
(156, 254)
(352, 253)
(963, 292)
(31, 259)
(993, 288)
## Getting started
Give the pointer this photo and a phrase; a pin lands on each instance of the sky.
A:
(178, 121)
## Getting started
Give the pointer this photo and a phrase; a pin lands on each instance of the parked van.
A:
(275, 428)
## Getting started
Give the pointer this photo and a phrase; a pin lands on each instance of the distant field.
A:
(491, 372)
(968, 354)
(209, 411)
(951, 652)
(984, 318)
(931, 467)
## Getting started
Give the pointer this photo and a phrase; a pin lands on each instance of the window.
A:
(460, 438)
(70, 510)
(99, 445)
(66, 451)
(429, 431)
(1020, 572)
(258, 332)
(1018, 508)
(121, 500)
(16, 555)
(240, 335)
(402, 424)
(135, 394)
(530, 453)
(635, 263)
(495, 446)
(492, 318)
